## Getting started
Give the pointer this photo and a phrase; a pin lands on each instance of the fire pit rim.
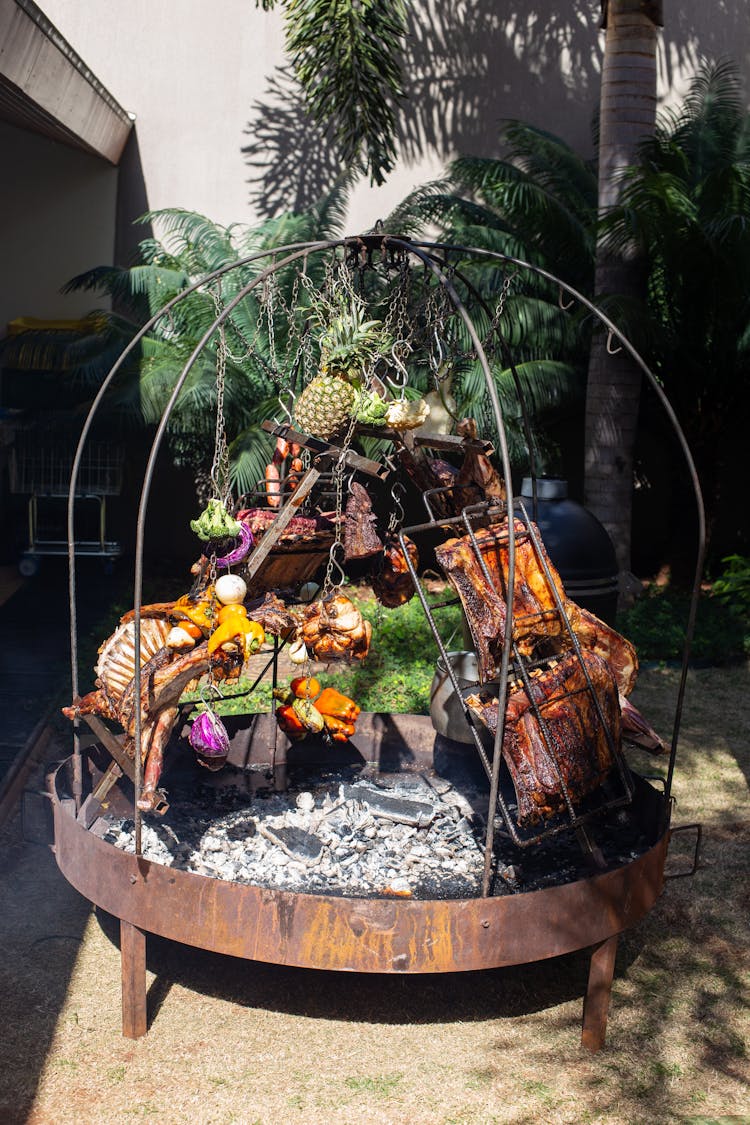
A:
(347, 933)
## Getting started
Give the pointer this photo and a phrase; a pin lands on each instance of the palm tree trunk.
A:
(627, 113)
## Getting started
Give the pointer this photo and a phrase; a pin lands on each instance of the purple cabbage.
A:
(208, 737)
(238, 553)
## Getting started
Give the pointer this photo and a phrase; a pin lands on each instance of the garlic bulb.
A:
(407, 415)
(297, 652)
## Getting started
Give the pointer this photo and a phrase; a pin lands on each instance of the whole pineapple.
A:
(348, 345)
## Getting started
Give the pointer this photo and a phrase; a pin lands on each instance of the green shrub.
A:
(657, 622)
(733, 587)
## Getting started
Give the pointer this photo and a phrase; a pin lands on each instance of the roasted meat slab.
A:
(165, 675)
(578, 756)
(538, 627)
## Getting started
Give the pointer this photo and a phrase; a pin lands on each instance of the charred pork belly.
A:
(538, 626)
(577, 756)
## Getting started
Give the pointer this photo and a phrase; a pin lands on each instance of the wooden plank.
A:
(22, 766)
(112, 743)
(271, 537)
(325, 449)
(94, 803)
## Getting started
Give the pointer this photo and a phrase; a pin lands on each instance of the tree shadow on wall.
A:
(293, 160)
(467, 66)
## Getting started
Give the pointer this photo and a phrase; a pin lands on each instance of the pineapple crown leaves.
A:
(349, 341)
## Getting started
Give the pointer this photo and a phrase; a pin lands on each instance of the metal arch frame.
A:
(295, 251)
(679, 433)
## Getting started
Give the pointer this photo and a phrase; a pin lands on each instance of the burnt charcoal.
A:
(397, 809)
(301, 844)
(241, 830)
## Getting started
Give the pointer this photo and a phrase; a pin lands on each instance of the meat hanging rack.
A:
(546, 666)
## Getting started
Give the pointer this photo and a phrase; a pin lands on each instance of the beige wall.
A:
(196, 74)
(57, 219)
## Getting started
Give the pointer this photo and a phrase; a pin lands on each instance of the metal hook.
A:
(285, 407)
(214, 688)
(397, 492)
(437, 362)
(561, 303)
(399, 384)
(335, 563)
(610, 349)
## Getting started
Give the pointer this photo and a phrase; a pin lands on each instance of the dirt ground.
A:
(233, 1041)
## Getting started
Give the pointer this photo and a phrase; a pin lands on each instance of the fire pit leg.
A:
(596, 1000)
(133, 964)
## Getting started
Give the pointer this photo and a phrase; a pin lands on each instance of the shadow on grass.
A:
(372, 997)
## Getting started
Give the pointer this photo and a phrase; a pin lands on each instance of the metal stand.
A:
(133, 965)
(598, 990)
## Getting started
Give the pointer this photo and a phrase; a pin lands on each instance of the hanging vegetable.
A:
(338, 729)
(208, 737)
(407, 414)
(214, 522)
(309, 715)
(200, 613)
(235, 628)
(298, 653)
(238, 553)
(231, 589)
(290, 723)
(333, 703)
(306, 710)
(370, 409)
(305, 687)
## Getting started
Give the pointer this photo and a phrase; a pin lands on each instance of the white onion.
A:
(230, 589)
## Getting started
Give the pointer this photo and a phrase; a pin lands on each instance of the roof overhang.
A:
(46, 87)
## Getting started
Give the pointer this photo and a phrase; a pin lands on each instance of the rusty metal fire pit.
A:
(355, 934)
(380, 932)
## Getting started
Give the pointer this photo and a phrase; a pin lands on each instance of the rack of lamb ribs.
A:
(563, 728)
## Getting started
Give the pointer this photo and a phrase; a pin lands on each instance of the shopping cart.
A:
(40, 466)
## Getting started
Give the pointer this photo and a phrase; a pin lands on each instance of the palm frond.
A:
(354, 87)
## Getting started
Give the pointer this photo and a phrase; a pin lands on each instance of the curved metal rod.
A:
(678, 431)
(419, 250)
(510, 363)
(458, 304)
(166, 310)
(145, 493)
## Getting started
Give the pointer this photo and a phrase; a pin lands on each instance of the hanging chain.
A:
(494, 327)
(339, 469)
(396, 518)
(220, 464)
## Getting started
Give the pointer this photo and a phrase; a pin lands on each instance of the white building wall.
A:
(194, 72)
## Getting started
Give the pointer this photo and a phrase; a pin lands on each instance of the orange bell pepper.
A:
(290, 724)
(201, 613)
(338, 730)
(230, 612)
(249, 634)
(338, 706)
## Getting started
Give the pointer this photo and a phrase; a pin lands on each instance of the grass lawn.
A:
(256, 1044)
